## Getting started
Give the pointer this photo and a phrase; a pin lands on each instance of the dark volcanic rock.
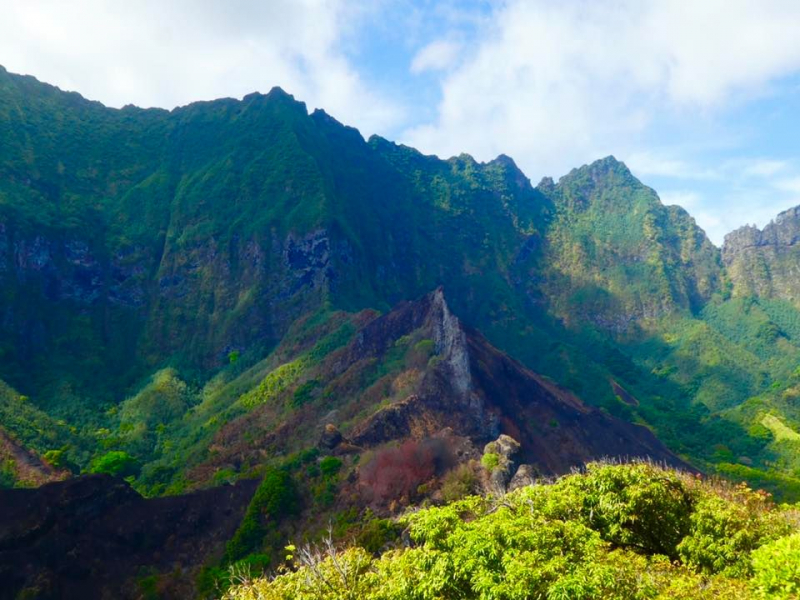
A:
(91, 537)
(331, 437)
(480, 393)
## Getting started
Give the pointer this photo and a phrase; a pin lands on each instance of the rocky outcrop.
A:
(331, 437)
(525, 475)
(500, 462)
(308, 259)
(451, 342)
(466, 386)
(93, 537)
(766, 263)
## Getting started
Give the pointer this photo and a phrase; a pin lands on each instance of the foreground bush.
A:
(777, 568)
(617, 531)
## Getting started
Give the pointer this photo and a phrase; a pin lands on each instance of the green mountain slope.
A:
(618, 258)
(156, 267)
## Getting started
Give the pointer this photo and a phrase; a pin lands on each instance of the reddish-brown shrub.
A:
(396, 472)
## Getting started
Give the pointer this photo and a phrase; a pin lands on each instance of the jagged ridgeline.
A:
(164, 275)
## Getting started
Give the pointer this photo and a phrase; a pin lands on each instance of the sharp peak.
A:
(605, 164)
(598, 170)
(501, 159)
(450, 340)
(504, 160)
(464, 157)
(433, 303)
(437, 294)
(276, 94)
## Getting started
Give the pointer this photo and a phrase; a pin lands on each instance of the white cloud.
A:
(764, 168)
(436, 56)
(559, 84)
(718, 216)
(650, 163)
(734, 192)
(684, 198)
(154, 53)
(791, 184)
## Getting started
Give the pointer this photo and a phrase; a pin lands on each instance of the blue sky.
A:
(700, 99)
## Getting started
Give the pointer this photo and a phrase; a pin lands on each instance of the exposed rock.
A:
(504, 450)
(623, 394)
(450, 342)
(31, 255)
(331, 437)
(526, 475)
(308, 260)
(504, 446)
(82, 279)
(416, 417)
(127, 280)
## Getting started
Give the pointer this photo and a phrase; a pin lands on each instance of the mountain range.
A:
(188, 297)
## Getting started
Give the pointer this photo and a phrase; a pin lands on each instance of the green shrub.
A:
(274, 499)
(275, 383)
(304, 393)
(330, 466)
(605, 534)
(376, 533)
(459, 482)
(116, 462)
(324, 493)
(638, 506)
(8, 470)
(724, 532)
(490, 461)
(776, 569)
(59, 459)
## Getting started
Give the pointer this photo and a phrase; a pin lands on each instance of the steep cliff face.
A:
(766, 263)
(131, 237)
(617, 257)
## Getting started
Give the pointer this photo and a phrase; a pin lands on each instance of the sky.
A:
(700, 99)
